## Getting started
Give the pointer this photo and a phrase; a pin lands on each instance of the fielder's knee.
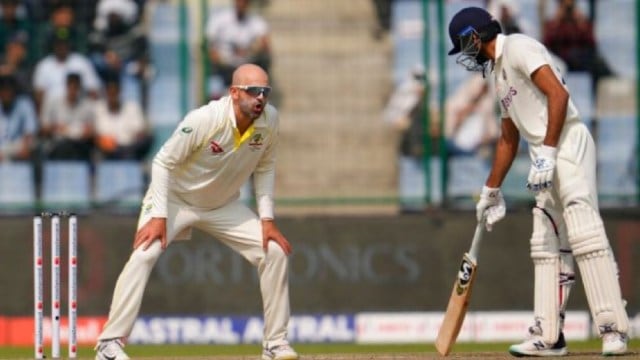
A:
(275, 252)
(149, 255)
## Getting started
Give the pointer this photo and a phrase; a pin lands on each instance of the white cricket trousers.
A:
(237, 227)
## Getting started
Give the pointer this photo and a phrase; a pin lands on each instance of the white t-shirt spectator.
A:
(50, 74)
(70, 121)
(123, 126)
(232, 37)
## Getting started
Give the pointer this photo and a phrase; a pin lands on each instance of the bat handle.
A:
(475, 243)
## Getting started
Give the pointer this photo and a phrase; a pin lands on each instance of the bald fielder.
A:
(536, 105)
(196, 177)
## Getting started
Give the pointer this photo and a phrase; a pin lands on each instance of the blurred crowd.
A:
(470, 124)
(73, 80)
(75, 76)
(470, 117)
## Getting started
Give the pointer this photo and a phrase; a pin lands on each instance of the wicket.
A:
(38, 289)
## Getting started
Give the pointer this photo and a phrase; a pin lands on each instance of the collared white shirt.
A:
(209, 161)
(517, 57)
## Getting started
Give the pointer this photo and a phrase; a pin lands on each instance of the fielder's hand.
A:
(270, 232)
(491, 206)
(542, 169)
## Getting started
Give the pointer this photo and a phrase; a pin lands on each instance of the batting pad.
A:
(599, 274)
(545, 238)
(585, 229)
(546, 307)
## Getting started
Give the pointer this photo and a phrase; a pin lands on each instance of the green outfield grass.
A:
(167, 351)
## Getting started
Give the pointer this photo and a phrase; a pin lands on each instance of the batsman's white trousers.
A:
(575, 173)
(237, 227)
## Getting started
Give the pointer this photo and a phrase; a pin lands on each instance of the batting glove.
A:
(542, 169)
(491, 206)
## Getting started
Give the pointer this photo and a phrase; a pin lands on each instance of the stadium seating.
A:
(17, 187)
(66, 185)
(119, 182)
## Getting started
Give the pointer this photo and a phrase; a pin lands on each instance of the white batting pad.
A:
(544, 240)
(546, 307)
(585, 229)
(599, 274)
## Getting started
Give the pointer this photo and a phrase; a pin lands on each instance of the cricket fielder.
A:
(535, 104)
(196, 177)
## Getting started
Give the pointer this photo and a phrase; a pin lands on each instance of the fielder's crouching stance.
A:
(536, 105)
(196, 177)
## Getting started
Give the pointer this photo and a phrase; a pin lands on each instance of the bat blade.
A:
(457, 306)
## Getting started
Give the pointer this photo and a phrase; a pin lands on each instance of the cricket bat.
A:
(459, 300)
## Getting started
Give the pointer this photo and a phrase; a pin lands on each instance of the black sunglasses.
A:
(255, 91)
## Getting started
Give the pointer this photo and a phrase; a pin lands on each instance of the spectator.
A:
(570, 35)
(121, 129)
(470, 118)
(507, 13)
(15, 62)
(68, 123)
(119, 46)
(405, 112)
(62, 14)
(383, 17)
(235, 36)
(18, 122)
(51, 72)
(13, 22)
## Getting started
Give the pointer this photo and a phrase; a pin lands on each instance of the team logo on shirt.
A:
(507, 100)
(186, 130)
(256, 142)
(215, 147)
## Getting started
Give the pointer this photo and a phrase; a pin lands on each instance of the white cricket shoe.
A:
(534, 346)
(614, 343)
(279, 352)
(112, 349)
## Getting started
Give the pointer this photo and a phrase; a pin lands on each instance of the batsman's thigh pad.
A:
(599, 274)
(585, 229)
(546, 307)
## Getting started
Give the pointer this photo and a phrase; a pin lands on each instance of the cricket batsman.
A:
(535, 104)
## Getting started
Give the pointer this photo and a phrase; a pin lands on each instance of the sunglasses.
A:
(255, 91)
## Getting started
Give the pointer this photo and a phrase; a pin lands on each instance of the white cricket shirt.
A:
(517, 57)
(208, 160)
